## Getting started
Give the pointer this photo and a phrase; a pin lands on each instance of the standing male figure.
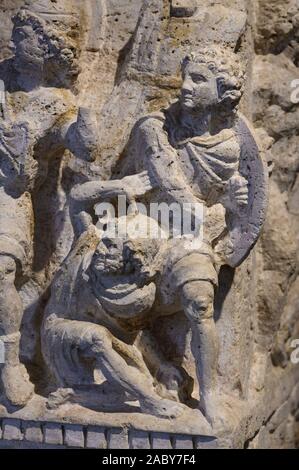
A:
(41, 121)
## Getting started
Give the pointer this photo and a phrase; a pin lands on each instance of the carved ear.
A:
(221, 89)
(227, 89)
(186, 60)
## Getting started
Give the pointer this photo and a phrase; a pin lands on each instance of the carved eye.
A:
(221, 85)
(197, 78)
(20, 34)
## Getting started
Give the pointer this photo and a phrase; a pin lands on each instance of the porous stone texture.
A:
(139, 440)
(74, 436)
(33, 432)
(96, 438)
(134, 343)
(12, 430)
(53, 434)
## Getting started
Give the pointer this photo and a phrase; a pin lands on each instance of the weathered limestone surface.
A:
(138, 343)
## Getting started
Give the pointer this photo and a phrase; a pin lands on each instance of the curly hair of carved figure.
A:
(59, 50)
(225, 65)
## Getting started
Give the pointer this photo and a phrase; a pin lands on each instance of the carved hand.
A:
(170, 376)
(136, 185)
(224, 248)
(13, 147)
(239, 190)
(81, 137)
(91, 344)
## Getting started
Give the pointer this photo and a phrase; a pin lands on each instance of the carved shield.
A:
(245, 228)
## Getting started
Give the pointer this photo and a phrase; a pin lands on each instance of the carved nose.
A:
(12, 47)
(187, 87)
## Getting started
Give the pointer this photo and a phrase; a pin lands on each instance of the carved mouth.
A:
(187, 98)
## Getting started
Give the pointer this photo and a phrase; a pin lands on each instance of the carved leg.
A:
(221, 410)
(197, 301)
(139, 385)
(95, 342)
(17, 388)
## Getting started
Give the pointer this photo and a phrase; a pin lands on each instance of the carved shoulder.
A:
(7, 76)
(151, 122)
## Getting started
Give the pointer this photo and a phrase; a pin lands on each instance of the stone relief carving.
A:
(100, 317)
(194, 152)
(128, 326)
(39, 123)
(201, 150)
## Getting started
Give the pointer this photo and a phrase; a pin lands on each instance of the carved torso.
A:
(38, 113)
(207, 161)
(28, 140)
(208, 164)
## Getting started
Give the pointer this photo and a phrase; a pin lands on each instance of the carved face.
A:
(117, 257)
(108, 258)
(29, 54)
(199, 90)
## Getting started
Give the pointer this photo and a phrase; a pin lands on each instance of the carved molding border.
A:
(47, 434)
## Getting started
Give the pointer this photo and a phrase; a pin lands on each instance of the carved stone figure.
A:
(101, 303)
(40, 122)
(200, 150)
(149, 78)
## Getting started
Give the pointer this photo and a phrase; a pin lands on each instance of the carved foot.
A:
(162, 408)
(17, 387)
(222, 411)
(97, 397)
(59, 397)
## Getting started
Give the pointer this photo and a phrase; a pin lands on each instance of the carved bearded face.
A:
(199, 90)
(28, 51)
(118, 257)
(108, 258)
(41, 52)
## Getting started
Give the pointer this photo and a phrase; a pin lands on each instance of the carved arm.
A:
(81, 136)
(130, 186)
(164, 371)
(161, 162)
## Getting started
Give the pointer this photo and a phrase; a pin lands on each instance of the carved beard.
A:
(107, 272)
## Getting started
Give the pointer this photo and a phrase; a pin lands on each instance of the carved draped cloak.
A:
(189, 168)
(15, 202)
